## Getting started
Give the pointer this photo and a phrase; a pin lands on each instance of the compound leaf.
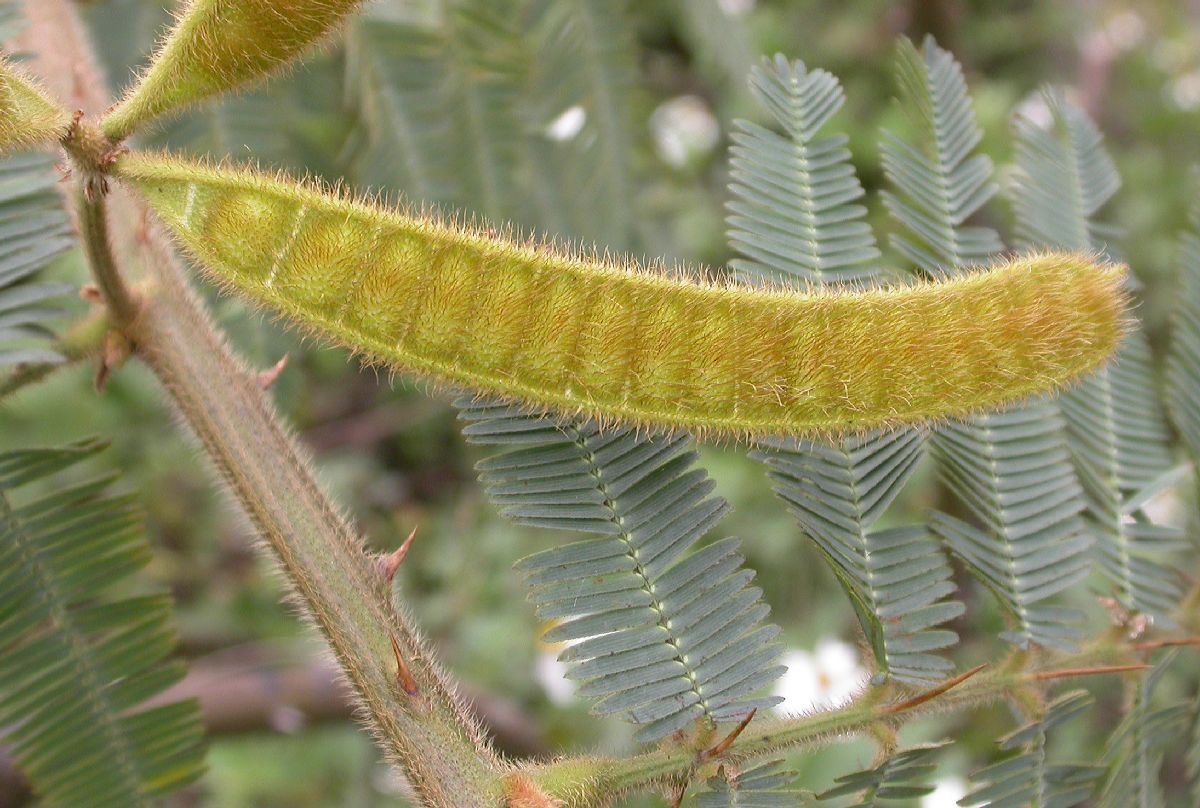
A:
(1116, 427)
(75, 665)
(664, 634)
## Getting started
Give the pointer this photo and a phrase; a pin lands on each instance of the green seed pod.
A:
(571, 334)
(27, 116)
(219, 45)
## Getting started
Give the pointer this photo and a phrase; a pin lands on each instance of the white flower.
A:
(551, 674)
(736, 8)
(1126, 30)
(828, 677)
(1035, 110)
(684, 128)
(946, 793)
(1165, 508)
(568, 124)
(1184, 91)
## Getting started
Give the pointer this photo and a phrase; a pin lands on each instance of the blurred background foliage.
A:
(606, 123)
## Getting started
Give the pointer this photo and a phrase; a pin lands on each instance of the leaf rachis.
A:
(617, 341)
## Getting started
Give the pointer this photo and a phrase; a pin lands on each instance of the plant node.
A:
(92, 153)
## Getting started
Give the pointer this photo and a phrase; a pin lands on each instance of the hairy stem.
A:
(594, 782)
(92, 210)
(427, 730)
(340, 587)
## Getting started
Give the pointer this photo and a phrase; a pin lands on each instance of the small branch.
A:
(92, 209)
(603, 778)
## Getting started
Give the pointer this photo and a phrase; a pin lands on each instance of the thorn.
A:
(407, 683)
(391, 562)
(677, 793)
(116, 350)
(91, 293)
(921, 698)
(268, 377)
(1042, 676)
(724, 745)
(1154, 645)
(100, 381)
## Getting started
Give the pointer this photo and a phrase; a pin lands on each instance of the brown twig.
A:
(1154, 645)
(921, 698)
(727, 742)
(1066, 673)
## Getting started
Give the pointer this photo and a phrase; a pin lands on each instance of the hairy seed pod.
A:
(27, 116)
(571, 334)
(218, 45)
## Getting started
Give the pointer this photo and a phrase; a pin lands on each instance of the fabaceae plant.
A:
(591, 375)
